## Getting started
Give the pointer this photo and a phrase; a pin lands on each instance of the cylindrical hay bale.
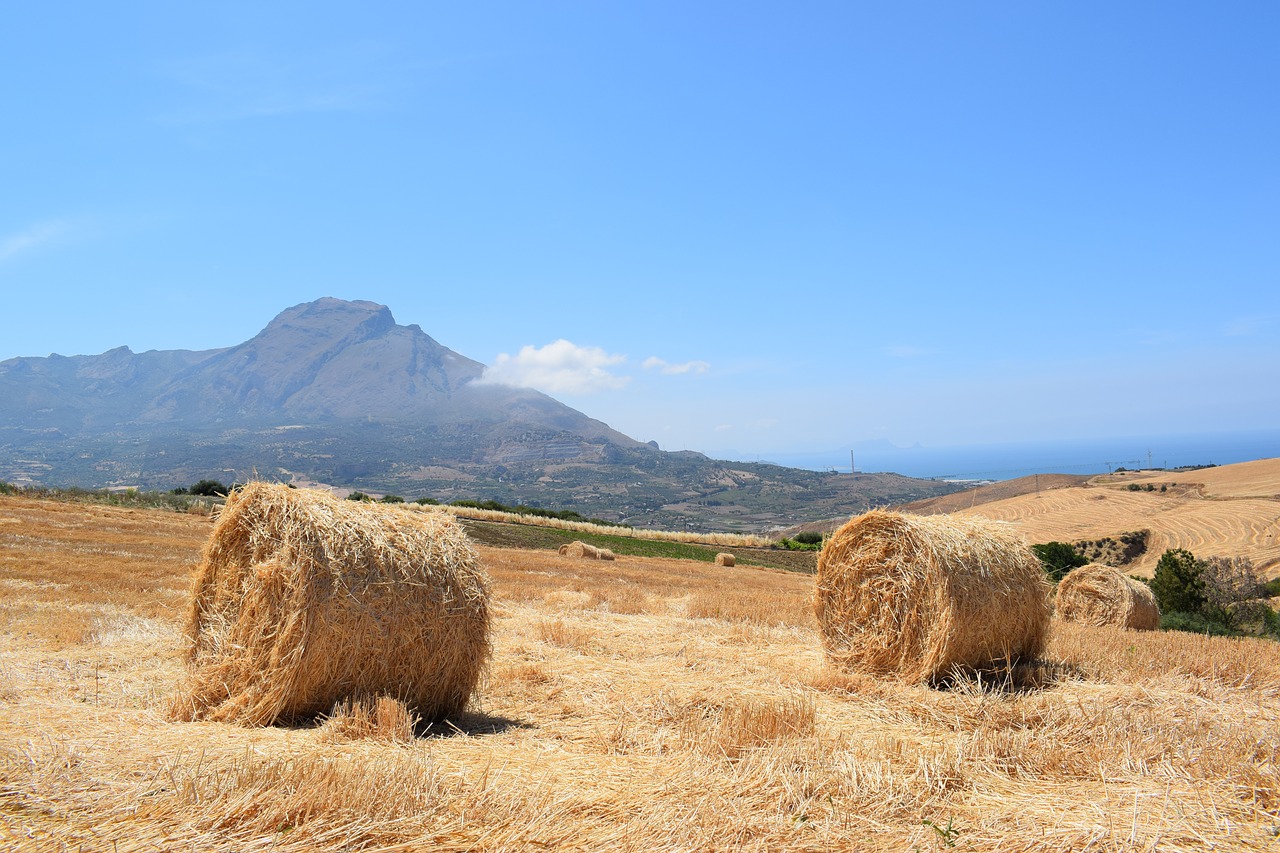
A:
(1101, 595)
(725, 560)
(582, 549)
(918, 598)
(302, 600)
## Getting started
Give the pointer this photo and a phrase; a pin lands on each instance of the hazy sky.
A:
(732, 227)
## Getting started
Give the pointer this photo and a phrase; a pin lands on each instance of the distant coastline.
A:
(1020, 459)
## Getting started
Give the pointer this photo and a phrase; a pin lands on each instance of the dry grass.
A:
(668, 732)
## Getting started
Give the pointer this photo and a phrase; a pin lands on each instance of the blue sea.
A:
(1019, 459)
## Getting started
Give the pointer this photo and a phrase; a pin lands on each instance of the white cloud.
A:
(561, 367)
(669, 369)
(33, 237)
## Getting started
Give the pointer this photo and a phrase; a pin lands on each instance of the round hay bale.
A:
(1101, 595)
(302, 600)
(582, 549)
(725, 560)
(918, 598)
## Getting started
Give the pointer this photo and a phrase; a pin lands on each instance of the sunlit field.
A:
(638, 704)
(1230, 511)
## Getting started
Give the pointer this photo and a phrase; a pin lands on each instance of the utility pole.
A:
(1148, 458)
(852, 469)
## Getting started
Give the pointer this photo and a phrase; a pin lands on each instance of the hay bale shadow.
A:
(1009, 678)
(469, 724)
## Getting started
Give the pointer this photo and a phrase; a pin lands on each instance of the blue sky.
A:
(747, 229)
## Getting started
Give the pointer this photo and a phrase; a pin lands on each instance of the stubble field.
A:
(642, 704)
(1230, 511)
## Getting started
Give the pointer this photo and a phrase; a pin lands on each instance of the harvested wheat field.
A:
(637, 705)
(1228, 511)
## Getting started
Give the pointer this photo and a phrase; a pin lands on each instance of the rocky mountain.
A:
(338, 393)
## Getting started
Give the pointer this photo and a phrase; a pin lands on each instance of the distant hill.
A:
(337, 393)
(978, 495)
(1224, 511)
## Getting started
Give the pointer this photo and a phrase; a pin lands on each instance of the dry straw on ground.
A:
(1101, 595)
(582, 549)
(921, 597)
(302, 600)
(725, 560)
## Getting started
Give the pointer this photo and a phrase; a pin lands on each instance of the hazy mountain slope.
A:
(337, 392)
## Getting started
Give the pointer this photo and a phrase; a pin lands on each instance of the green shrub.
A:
(1194, 622)
(1179, 582)
(427, 501)
(209, 489)
(7, 488)
(359, 496)
(392, 499)
(1058, 558)
(809, 537)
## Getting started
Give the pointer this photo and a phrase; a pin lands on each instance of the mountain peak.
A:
(330, 321)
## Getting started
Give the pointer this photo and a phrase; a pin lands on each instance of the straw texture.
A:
(918, 598)
(724, 559)
(302, 600)
(582, 549)
(1101, 595)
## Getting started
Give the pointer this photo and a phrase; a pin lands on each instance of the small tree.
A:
(1179, 582)
(209, 489)
(1058, 558)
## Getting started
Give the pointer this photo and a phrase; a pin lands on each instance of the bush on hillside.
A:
(1058, 558)
(209, 489)
(1179, 582)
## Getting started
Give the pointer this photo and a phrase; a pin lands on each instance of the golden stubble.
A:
(622, 710)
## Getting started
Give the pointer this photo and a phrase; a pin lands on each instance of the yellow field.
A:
(1229, 511)
(636, 705)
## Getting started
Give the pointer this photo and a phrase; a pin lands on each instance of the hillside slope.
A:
(1231, 510)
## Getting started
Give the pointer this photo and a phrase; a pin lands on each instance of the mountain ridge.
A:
(336, 392)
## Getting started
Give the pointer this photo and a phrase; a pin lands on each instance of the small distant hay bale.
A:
(725, 560)
(302, 601)
(582, 549)
(921, 598)
(1101, 595)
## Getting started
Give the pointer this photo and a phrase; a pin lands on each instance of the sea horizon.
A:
(1010, 460)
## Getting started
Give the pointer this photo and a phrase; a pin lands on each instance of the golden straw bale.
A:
(1101, 595)
(302, 600)
(582, 549)
(919, 597)
(725, 560)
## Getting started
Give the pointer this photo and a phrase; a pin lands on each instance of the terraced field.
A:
(1232, 510)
